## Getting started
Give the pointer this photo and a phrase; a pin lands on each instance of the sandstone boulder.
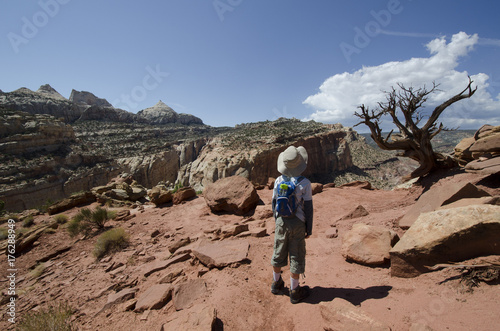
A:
(183, 194)
(160, 195)
(462, 152)
(233, 194)
(340, 314)
(448, 235)
(77, 199)
(439, 196)
(221, 253)
(484, 144)
(366, 244)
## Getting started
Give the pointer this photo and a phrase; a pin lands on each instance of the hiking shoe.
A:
(299, 294)
(277, 286)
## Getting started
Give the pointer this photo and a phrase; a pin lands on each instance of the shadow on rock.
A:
(353, 295)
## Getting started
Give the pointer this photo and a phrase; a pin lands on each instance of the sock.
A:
(293, 283)
(276, 276)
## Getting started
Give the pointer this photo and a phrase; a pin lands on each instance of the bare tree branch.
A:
(415, 142)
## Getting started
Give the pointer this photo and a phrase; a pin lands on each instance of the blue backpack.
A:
(286, 202)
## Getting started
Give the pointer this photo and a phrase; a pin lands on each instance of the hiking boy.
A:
(293, 212)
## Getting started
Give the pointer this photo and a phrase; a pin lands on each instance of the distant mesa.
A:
(86, 106)
(163, 114)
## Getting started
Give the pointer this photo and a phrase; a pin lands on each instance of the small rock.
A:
(332, 232)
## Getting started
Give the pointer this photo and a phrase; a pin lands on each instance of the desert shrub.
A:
(54, 318)
(38, 270)
(73, 227)
(99, 217)
(86, 220)
(4, 233)
(110, 241)
(61, 219)
(28, 221)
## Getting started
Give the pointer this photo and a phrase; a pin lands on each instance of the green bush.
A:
(2, 206)
(28, 221)
(110, 241)
(61, 219)
(86, 220)
(4, 233)
(54, 318)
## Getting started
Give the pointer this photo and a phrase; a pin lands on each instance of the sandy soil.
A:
(241, 294)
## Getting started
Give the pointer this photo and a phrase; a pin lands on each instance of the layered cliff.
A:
(92, 153)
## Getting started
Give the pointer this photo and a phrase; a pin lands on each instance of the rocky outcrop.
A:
(26, 100)
(75, 200)
(110, 114)
(151, 169)
(87, 98)
(440, 196)
(24, 134)
(50, 92)
(160, 195)
(328, 152)
(481, 153)
(448, 235)
(163, 114)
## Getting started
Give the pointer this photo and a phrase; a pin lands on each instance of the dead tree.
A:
(412, 140)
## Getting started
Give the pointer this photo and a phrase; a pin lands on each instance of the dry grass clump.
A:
(53, 318)
(110, 241)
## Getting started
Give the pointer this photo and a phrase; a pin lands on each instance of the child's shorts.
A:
(289, 241)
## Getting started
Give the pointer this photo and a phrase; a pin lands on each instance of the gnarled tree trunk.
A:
(413, 141)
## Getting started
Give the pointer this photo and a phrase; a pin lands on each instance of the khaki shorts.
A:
(290, 242)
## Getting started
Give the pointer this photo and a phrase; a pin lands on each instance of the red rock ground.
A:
(241, 294)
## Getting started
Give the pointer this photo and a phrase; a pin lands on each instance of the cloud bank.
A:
(341, 94)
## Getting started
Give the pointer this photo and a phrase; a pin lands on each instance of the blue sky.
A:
(240, 61)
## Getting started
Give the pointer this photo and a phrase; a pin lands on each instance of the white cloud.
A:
(341, 94)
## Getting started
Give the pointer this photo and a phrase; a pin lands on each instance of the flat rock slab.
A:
(186, 293)
(221, 253)
(340, 314)
(448, 235)
(486, 167)
(154, 297)
(155, 266)
(439, 196)
(198, 318)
